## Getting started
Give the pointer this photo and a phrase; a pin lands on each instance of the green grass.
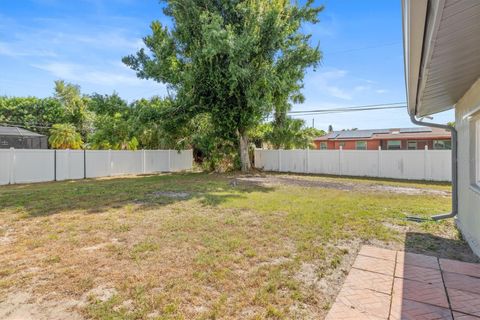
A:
(245, 251)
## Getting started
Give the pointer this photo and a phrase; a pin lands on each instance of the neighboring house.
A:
(386, 139)
(18, 138)
(442, 70)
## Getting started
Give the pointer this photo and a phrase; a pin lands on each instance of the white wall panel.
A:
(398, 164)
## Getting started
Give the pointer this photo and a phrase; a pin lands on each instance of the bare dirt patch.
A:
(321, 182)
(24, 306)
(172, 194)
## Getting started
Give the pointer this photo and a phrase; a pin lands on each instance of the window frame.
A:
(474, 136)
(444, 142)
(323, 145)
(361, 141)
(399, 145)
(412, 141)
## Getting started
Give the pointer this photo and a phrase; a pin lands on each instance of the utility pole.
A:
(313, 122)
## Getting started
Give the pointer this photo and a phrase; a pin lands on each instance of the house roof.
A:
(16, 131)
(442, 52)
(394, 133)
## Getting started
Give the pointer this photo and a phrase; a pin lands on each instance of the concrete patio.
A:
(387, 284)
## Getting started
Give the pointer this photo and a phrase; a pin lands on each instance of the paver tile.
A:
(341, 311)
(471, 269)
(419, 260)
(422, 274)
(362, 279)
(403, 309)
(365, 301)
(374, 264)
(462, 316)
(461, 282)
(466, 302)
(420, 292)
(379, 253)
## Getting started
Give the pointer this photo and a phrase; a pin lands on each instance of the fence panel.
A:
(126, 162)
(32, 165)
(397, 164)
(180, 160)
(6, 162)
(156, 161)
(324, 161)
(267, 159)
(359, 163)
(70, 164)
(293, 160)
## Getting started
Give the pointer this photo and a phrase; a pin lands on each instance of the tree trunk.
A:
(244, 154)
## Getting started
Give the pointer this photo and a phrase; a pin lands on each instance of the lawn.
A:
(203, 246)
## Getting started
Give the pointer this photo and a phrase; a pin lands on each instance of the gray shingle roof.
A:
(16, 131)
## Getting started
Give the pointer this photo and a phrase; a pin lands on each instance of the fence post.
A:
(279, 159)
(67, 165)
(84, 163)
(379, 171)
(340, 155)
(143, 161)
(169, 161)
(306, 161)
(110, 162)
(54, 164)
(11, 178)
(425, 165)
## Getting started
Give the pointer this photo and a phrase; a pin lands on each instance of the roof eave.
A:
(414, 19)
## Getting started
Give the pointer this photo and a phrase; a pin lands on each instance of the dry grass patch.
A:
(135, 249)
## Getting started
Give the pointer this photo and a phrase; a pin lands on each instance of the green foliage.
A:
(31, 113)
(75, 106)
(64, 136)
(235, 61)
(292, 134)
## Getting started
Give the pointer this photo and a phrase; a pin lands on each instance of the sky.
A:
(83, 42)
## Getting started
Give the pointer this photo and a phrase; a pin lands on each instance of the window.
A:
(341, 145)
(361, 145)
(323, 146)
(442, 144)
(394, 145)
(475, 151)
(412, 145)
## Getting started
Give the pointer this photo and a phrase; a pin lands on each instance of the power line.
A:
(396, 105)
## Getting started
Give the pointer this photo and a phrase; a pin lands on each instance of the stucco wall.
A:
(469, 199)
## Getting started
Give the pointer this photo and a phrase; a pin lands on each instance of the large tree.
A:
(235, 60)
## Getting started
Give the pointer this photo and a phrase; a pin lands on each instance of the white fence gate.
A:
(434, 165)
(31, 165)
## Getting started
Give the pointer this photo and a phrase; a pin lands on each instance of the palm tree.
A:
(64, 136)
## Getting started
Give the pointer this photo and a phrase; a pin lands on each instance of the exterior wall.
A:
(469, 198)
(374, 144)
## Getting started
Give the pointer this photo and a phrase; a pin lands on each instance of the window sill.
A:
(475, 188)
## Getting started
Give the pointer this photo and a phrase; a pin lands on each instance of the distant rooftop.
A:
(16, 131)
(416, 132)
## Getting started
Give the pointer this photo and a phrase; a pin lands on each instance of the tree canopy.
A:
(235, 61)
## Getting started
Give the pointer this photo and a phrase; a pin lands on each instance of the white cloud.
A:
(86, 74)
(380, 91)
(17, 50)
(327, 82)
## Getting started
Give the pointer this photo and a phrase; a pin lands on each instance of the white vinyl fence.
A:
(433, 165)
(31, 165)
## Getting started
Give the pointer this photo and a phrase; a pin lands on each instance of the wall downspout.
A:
(454, 211)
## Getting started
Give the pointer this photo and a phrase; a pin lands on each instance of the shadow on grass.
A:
(429, 244)
(99, 195)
